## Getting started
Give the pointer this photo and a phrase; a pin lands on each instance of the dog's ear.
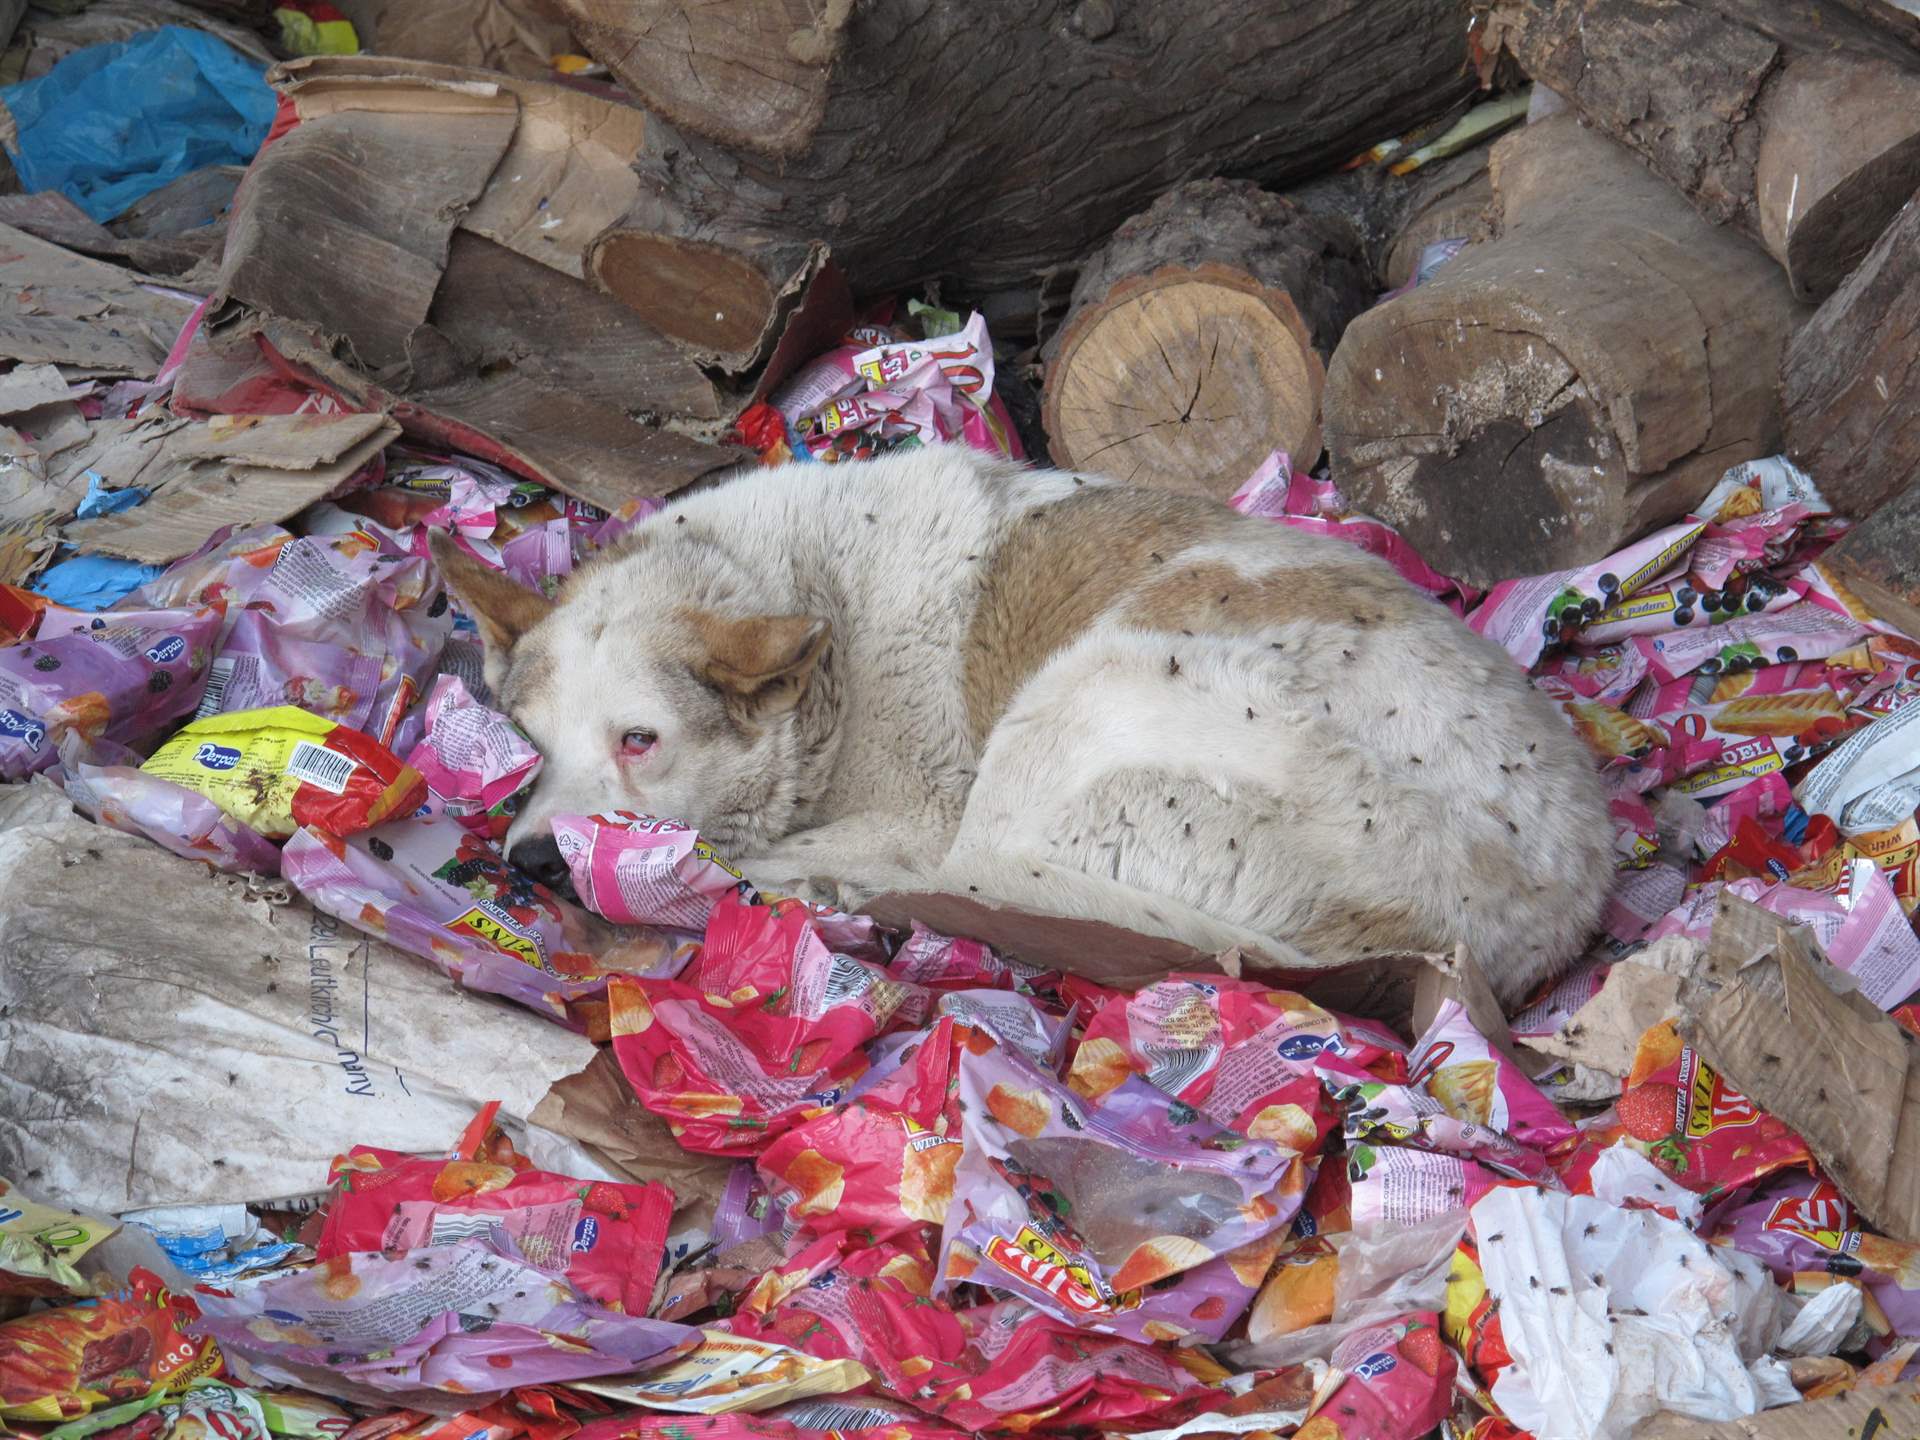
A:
(503, 609)
(761, 663)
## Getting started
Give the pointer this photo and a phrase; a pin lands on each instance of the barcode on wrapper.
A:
(1173, 1068)
(836, 1417)
(317, 765)
(219, 675)
(452, 1229)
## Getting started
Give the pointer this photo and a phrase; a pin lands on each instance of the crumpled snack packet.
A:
(1806, 631)
(58, 1364)
(639, 1425)
(1394, 1186)
(718, 1093)
(1382, 1114)
(40, 1246)
(181, 820)
(1084, 1211)
(1399, 1383)
(348, 626)
(278, 769)
(1527, 615)
(952, 962)
(1683, 1116)
(1241, 1053)
(123, 676)
(1471, 1319)
(205, 1408)
(442, 892)
(477, 763)
(883, 1162)
(1803, 1230)
(606, 1238)
(639, 870)
(472, 1319)
(730, 1373)
(1479, 1085)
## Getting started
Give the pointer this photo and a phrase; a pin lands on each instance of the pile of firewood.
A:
(1159, 202)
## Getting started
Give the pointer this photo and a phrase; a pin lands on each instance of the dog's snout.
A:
(540, 857)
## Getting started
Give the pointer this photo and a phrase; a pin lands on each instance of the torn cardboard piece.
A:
(566, 176)
(598, 1108)
(54, 218)
(31, 509)
(1831, 1066)
(343, 222)
(201, 1041)
(280, 442)
(26, 387)
(1640, 992)
(65, 309)
(186, 511)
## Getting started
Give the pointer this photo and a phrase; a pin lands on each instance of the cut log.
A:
(1553, 393)
(1197, 339)
(1851, 383)
(1879, 561)
(1796, 121)
(984, 142)
(1397, 216)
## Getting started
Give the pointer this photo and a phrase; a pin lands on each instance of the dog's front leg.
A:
(847, 861)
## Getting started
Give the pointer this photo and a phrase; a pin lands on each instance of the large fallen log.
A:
(988, 142)
(1550, 394)
(1792, 119)
(1197, 339)
(1850, 386)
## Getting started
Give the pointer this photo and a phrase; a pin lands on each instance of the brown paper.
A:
(1866, 1414)
(598, 1108)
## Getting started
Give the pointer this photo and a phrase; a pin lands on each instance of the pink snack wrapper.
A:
(1801, 1227)
(1085, 1211)
(1474, 1082)
(398, 1331)
(1394, 1187)
(121, 676)
(1560, 1004)
(476, 761)
(640, 870)
(1799, 632)
(433, 888)
(1689, 603)
(172, 816)
(1381, 1114)
(1640, 898)
(348, 626)
(1764, 799)
(1736, 546)
(1399, 1384)
(1525, 616)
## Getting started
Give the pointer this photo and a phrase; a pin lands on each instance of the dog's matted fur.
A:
(934, 671)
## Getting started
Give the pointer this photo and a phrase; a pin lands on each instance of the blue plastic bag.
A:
(93, 582)
(112, 123)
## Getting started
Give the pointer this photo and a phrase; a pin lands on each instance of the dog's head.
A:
(663, 680)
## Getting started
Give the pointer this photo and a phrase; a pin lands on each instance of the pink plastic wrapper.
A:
(639, 870)
(1747, 543)
(181, 820)
(1475, 1082)
(1136, 1217)
(1276, 492)
(948, 962)
(433, 888)
(827, 377)
(955, 372)
(1640, 898)
(348, 626)
(1803, 1230)
(1381, 1114)
(1399, 1383)
(1689, 603)
(1609, 674)
(1805, 631)
(1525, 616)
(1546, 1015)
(1764, 799)
(404, 1329)
(1241, 1053)
(121, 676)
(477, 763)
(1861, 927)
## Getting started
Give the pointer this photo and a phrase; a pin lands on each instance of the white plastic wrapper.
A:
(1614, 1315)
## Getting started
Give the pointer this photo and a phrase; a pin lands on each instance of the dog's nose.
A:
(541, 859)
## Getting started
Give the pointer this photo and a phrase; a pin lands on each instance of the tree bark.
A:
(1851, 381)
(1553, 393)
(1197, 339)
(1797, 122)
(1397, 216)
(987, 141)
(1879, 560)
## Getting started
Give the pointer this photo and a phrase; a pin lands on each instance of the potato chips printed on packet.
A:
(281, 768)
(40, 1246)
(640, 870)
(1082, 1209)
(477, 763)
(59, 1364)
(729, 1373)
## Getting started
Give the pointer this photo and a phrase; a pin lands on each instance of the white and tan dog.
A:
(934, 671)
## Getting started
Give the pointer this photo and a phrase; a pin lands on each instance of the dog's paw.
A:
(816, 890)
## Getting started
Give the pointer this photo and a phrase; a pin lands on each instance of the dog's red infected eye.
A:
(636, 742)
